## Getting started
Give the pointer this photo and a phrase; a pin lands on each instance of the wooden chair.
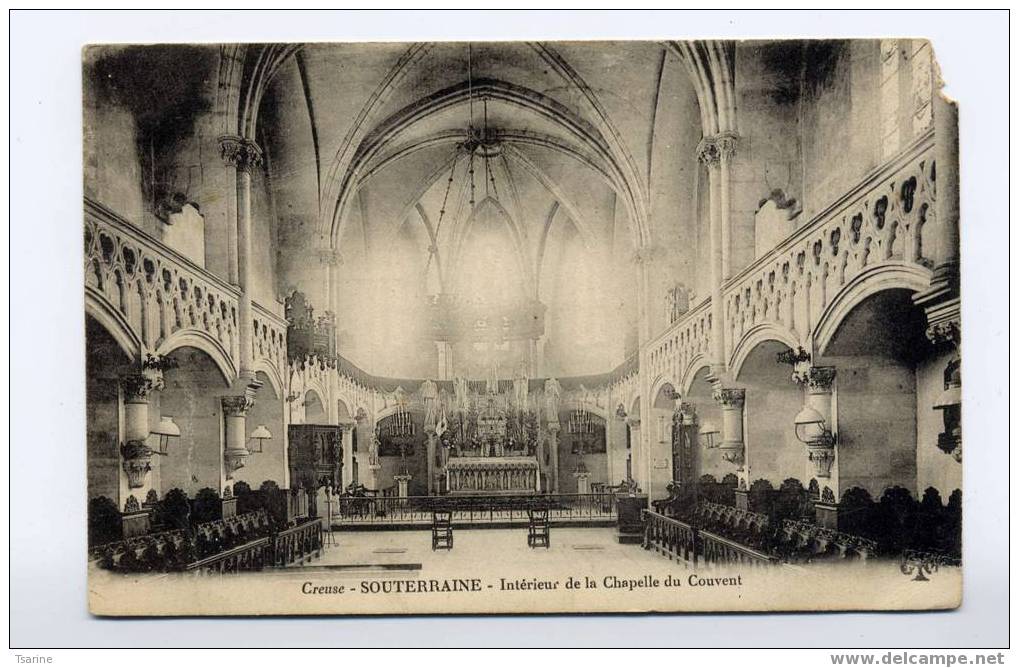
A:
(538, 528)
(442, 529)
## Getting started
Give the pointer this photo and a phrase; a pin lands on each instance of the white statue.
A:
(373, 449)
(552, 393)
(430, 397)
(520, 391)
(462, 394)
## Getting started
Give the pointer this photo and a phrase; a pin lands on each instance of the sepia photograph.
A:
(499, 327)
(368, 331)
(387, 328)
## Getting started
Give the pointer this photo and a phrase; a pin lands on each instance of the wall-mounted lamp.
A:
(166, 429)
(709, 431)
(259, 436)
(949, 402)
(811, 427)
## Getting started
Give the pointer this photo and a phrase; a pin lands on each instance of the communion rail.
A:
(719, 551)
(680, 541)
(478, 509)
(296, 544)
(253, 556)
(671, 538)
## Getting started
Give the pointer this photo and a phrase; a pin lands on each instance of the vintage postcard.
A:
(508, 327)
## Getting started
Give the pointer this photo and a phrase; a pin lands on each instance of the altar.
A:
(492, 475)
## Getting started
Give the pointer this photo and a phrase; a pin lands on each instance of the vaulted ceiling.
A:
(381, 127)
(494, 171)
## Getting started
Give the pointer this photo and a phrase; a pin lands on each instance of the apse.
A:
(489, 268)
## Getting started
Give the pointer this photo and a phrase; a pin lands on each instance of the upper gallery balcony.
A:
(878, 226)
(154, 299)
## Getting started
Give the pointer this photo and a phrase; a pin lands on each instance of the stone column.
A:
(946, 138)
(402, 481)
(135, 453)
(709, 153)
(731, 400)
(244, 155)
(553, 446)
(366, 464)
(634, 463)
(941, 302)
(430, 447)
(235, 411)
(643, 258)
(347, 442)
(444, 354)
(726, 143)
(817, 382)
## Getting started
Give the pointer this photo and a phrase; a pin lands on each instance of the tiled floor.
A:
(408, 552)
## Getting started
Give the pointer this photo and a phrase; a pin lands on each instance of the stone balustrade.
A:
(879, 225)
(154, 299)
(269, 343)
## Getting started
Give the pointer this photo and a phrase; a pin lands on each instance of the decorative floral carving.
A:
(822, 455)
(781, 200)
(237, 405)
(799, 359)
(239, 152)
(159, 363)
(137, 386)
(233, 460)
(729, 397)
(732, 452)
(945, 332)
(713, 150)
(815, 378)
(137, 462)
(827, 496)
(708, 151)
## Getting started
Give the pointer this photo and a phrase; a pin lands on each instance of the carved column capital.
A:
(685, 414)
(237, 405)
(634, 422)
(817, 379)
(644, 255)
(239, 152)
(708, 152)
(945, 332)
(138, 386)
(727, 143)
(729, 397)
(717, 149)
(330, 257)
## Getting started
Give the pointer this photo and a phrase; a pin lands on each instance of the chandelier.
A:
(580, 423)
(400, 424)
(479, 148)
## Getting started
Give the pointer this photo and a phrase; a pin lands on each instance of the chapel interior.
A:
(697, 299)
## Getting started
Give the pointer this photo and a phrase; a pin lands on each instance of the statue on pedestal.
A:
(553, 391)
(520, 389)
(430, 398)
